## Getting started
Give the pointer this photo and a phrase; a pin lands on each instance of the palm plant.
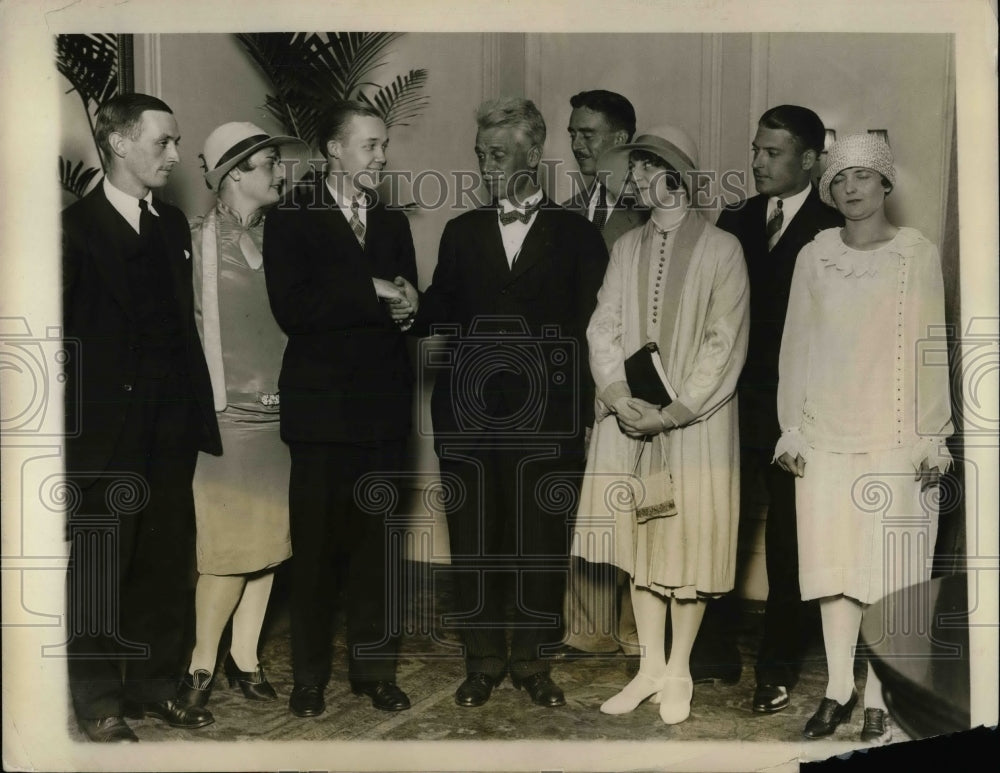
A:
(90, 64)
(310, 70)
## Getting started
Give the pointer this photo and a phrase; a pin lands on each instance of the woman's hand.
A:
(928, 476)
(796, 466)
(644, 419)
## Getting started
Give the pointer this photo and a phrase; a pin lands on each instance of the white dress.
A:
(863, 396)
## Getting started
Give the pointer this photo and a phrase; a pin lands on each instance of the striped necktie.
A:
(356, 225)
(601, 208)
(774, 224)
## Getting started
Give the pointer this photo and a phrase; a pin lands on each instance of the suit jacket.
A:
(626, 216)
(770, 275)
(346, 374)
(99, 311)
(516, 365)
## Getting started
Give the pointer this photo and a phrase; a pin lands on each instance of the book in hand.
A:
(646, 377)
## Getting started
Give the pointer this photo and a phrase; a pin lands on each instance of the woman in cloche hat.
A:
(680, 283)
(241, 497)
(863, 415)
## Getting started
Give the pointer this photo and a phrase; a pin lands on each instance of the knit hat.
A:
(670, 143)
(865, 150)
(230, 143)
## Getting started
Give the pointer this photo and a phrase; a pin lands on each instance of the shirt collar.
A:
(789, 205)
(127, 205)
(345, 202)
(529, 203)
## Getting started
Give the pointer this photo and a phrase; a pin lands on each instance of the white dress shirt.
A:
(789, 207)
(513, 234)
(344, 203)
(127, 205)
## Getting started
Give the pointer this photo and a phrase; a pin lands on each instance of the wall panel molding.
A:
(151, 65)
(710, 123)
(491, 65)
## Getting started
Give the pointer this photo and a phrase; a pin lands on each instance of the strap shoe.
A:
(828, 716)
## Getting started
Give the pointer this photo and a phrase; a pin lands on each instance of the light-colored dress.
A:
(863, 396)
(241, 497)
(687, 290)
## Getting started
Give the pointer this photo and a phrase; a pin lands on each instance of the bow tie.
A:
(506, 218)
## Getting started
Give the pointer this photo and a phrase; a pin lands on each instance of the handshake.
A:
(402, 298)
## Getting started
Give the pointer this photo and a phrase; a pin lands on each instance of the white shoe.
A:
(675, 699)
(634, 693)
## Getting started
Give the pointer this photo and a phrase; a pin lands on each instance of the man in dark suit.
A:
(142, 402)
(772, 227)
(517, 281)
(597, 615)
(331, 253)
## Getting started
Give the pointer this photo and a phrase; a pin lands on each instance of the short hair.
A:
(335, 117)
(674, 179)
(122, 114)
(513, 112)
(802, 123)
(617, 110)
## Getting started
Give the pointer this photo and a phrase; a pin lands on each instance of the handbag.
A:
(646, 377)
(653, 495)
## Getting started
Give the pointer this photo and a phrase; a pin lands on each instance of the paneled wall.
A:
(712, 85)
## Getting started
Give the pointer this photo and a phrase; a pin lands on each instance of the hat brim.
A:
(214, 176)
(614, 163)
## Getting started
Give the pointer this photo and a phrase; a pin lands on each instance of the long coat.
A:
(702, 358)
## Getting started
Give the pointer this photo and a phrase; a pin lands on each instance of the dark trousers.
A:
(338, 507)
(779, 657)
(509, 543)
(131, 557)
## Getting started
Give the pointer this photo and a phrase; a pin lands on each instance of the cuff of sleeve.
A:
(615, 392)
(678, 413)
(792, 443)
(934, 451)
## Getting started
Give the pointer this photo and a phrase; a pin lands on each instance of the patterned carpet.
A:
(430, 669)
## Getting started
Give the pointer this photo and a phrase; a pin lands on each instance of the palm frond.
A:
(75, 179)
(309, 70)
(400, 100)
(90, 64)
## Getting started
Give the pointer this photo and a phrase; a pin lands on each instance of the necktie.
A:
(356, 225)
(506, 218)
(147, 220)
(774, 224)
(601, 208)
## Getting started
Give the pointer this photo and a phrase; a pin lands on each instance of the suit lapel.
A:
(802, 229)
(109, 230)
(340, 234)
(177, 260)
(537, 243)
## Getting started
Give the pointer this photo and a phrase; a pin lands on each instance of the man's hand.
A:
(409, 292)
(928, 476)
(386, 290)
(796, 466)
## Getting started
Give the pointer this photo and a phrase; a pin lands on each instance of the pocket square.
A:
(187, 255)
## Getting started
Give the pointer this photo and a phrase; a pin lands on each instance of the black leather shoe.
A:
(876, 729)
(107, 730)
(828, 716)
(476, 689)
(254, 684)
(195, 689)
(307, 700)
(769, 698)
(541, 688)
(173, 712)
(385, 695)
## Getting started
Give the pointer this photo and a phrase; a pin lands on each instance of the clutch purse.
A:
(646, 377)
